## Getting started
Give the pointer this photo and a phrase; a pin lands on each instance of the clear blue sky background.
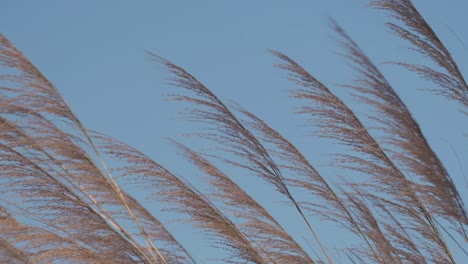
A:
(94, 52)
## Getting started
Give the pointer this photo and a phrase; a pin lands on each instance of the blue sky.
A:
(94, 52)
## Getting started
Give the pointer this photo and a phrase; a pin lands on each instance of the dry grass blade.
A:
(423, 38)
(217, 113)
(11, 254)
(168, 246)
(410, 147)
(183, 198)
(67, 192)
(233, 136)
(370, 226)
(50, 244)
(40, 194)
(329, 205)
(338, 121)
(55, 152)
(37, 97)
(403, 242)
(80, 174)
(257, 222)
(33, 89)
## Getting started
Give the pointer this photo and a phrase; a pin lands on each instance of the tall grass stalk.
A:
(66, 190)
